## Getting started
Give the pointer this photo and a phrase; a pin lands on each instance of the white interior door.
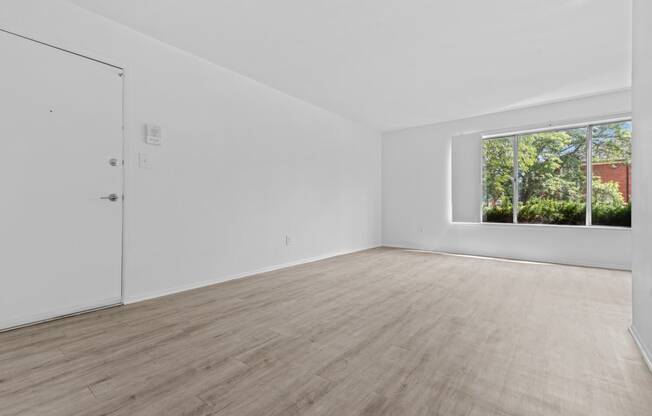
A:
(60, 124)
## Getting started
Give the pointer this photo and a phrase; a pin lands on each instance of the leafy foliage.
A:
(498, 213)
(546, 211)
(549, 211)
(606, 193)
(616, 215)
(550, 165)
(498, 157)
(612, 142)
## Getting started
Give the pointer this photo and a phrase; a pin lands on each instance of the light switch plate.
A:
(144, 161)
(153, 134)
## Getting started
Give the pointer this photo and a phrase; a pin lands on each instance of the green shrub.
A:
(603, 214)
(548, 211)
(498, 214)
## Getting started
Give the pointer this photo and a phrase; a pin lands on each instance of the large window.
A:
(541, 177)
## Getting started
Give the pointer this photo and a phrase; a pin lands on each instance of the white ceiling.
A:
(399, 63)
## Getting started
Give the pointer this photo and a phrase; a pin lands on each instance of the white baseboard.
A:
(182, 288)
(558, 261)
(641, 347)
(51, 315)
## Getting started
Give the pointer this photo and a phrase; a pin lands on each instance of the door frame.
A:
(121, 72)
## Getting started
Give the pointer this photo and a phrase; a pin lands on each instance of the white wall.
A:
(242, 165)
(416, 196)
(642, 174)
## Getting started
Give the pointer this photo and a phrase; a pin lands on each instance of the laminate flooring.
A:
(379, 332)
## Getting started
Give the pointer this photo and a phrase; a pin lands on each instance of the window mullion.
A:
(515, 181)
(589, 176)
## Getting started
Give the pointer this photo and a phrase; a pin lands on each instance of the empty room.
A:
(326, 208)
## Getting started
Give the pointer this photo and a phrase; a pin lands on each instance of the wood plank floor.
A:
(380, 332)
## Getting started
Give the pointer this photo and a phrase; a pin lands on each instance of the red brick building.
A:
(617, 171)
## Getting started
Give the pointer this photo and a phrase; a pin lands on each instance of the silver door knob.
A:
(110, 197)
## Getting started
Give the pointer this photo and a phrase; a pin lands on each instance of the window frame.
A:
(514, 136)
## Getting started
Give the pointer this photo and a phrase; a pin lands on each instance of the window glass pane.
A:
(552, 177)
(497, 172)
(611, 185)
